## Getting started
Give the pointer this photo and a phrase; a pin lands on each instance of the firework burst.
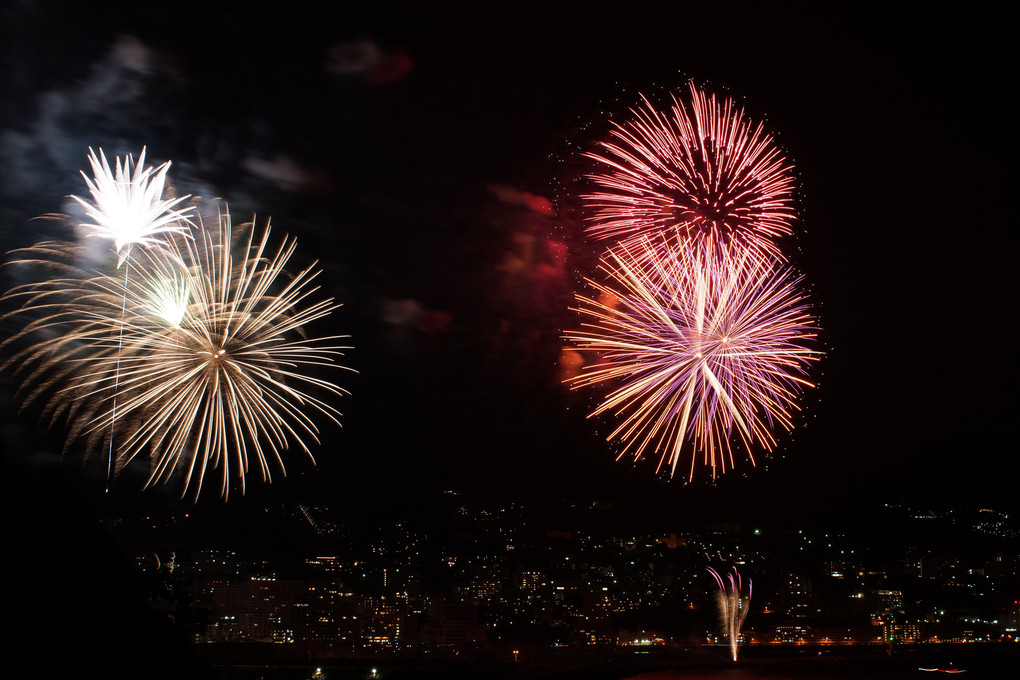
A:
(127, 204)
(213, 369)
(702, 170)
(128, 208)
(694, 344)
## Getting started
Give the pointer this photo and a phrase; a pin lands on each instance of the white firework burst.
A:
(210, 366)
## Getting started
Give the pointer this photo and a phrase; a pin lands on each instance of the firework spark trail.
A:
(694, 343)
(214, 364)
(129, 209)
(733, 606)
(702, 170)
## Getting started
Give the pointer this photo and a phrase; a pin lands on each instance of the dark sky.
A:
(410, 182)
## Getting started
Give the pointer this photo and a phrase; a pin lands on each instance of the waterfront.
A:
(977, 661)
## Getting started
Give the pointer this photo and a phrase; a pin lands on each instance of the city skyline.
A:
(523, 575)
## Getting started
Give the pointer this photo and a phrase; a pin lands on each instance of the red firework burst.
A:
(697, 347)
(702, 169)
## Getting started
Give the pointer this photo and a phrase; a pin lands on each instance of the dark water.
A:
(977, 662)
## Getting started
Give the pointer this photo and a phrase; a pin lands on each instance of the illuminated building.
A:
(387, 621)
(595, 629)
(887, 601)
(901, 632)
(795, 596)
(1013, 617)
(789, 634)
(454, 624)
(532, 581)
(330, 615)
(260, 609)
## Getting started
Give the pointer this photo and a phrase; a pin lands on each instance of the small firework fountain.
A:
(733, 606)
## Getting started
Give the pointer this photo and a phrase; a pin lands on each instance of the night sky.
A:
(436, 183)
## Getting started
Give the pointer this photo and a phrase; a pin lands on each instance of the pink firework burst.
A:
(701, 169)
(697, 347)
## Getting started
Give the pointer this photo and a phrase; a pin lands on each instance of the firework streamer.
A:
(215, 369)
(128, 208)
(733, 606)
(702, 170)
(694, 347)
